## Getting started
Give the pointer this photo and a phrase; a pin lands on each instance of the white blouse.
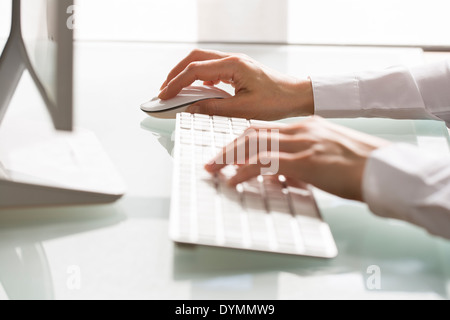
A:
(400, 181)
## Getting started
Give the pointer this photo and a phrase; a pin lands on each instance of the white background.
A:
(388, 22)
(5, 19)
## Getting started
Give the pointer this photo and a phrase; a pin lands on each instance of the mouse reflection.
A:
(162, 129)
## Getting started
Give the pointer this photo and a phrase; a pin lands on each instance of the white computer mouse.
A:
(167, 109)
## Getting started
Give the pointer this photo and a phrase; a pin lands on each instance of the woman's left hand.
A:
(315, 151)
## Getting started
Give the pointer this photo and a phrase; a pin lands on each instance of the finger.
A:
(195, 55)
(297, 142)
(299, 127)
(228, 107)
(271, 138)
(274, 164)
(211, 83)
(251, 147)
(244, 173)
(215, 83)
(250, 171)
(211, 70)
(236, 152)
(296, 183)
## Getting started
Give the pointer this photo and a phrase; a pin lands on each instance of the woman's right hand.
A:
(260, 93)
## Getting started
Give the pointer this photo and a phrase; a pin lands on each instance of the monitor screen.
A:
(49, 45)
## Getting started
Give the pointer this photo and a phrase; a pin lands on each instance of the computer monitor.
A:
(41, 42)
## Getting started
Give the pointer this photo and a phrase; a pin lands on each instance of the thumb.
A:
(228, 107)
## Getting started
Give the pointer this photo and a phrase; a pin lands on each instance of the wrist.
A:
(303, 98)
(372, 145)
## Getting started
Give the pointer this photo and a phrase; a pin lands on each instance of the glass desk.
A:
(122, 250)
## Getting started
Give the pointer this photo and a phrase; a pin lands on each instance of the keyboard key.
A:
(258, 238)
(202, 127)
(219, 119)
(258, 123)
(283, 229)
(240, 122)
(186, 139)
(251, 189)
(308, 224)
(200, 116)
(185, 124)
(303, 202)
(185, 115)
(239, 126)
(222, 128)
(207, 221)
(237, 133)
(202, 138)
(233, 231)
(206, 235)
(278, 205)
(313, 241)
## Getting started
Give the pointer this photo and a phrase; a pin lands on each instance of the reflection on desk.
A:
(24, 270)
(411, 266)
(162, 129)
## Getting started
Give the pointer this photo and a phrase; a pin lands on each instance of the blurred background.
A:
(423, 23)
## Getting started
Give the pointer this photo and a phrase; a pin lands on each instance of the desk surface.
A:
(122, 250)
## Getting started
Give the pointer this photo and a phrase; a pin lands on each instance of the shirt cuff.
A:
(433, 82)
(387, 184)
(336, 96)
(400, 178)
(388, 93)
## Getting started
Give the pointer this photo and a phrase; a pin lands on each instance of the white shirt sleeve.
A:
(399, 93)
(403, 183)
(400, 181)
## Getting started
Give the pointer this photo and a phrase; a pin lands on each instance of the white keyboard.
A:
(264, 214)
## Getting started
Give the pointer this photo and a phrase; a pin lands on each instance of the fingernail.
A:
(163, 93)
(210, 166)
(232, 182)
(193, 109)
